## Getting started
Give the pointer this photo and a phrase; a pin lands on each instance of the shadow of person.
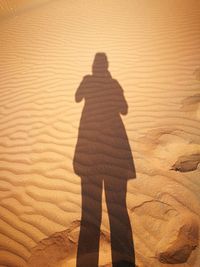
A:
(103, 157)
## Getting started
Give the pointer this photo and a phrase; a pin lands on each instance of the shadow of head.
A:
(100, 64)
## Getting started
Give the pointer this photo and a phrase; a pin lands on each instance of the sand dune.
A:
(46, 48)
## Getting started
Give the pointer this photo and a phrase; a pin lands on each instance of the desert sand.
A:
(46, 48)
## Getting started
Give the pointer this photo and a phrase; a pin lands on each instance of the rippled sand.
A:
(46, 47)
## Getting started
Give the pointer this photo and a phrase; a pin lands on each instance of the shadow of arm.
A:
(80, 91)
(123, 106)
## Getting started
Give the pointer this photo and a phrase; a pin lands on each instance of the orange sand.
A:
(46, 47)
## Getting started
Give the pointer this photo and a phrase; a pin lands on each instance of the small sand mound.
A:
(181, 238)
(187, 163)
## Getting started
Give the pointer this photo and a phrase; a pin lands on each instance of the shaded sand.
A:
(46, 47)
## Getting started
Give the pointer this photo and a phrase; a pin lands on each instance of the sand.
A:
(46, 48)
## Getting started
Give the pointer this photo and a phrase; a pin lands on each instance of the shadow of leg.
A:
(88, 246)
(121, 234)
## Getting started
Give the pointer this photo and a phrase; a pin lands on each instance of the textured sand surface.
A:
(46, 47)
